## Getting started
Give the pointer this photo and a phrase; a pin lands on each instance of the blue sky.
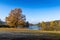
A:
(35, 10)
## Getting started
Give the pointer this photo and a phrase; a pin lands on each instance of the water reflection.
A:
(34, 27)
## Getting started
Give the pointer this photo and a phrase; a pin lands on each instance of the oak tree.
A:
(15, 18)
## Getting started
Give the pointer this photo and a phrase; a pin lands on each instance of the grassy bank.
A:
(27, 30)
(33, 33)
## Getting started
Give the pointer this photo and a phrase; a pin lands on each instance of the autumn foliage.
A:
(15, 18)
(52, 25)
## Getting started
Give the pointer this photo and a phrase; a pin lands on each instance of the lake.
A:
(34, 27)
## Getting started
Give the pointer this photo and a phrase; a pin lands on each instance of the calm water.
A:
(34, 27)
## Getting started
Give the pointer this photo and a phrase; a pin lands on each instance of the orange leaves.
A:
(15, 18)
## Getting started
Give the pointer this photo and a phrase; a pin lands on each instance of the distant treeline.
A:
(8, 26)
(4, 26)
(52, 25)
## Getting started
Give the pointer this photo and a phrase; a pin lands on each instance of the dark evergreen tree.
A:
(27, 24)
